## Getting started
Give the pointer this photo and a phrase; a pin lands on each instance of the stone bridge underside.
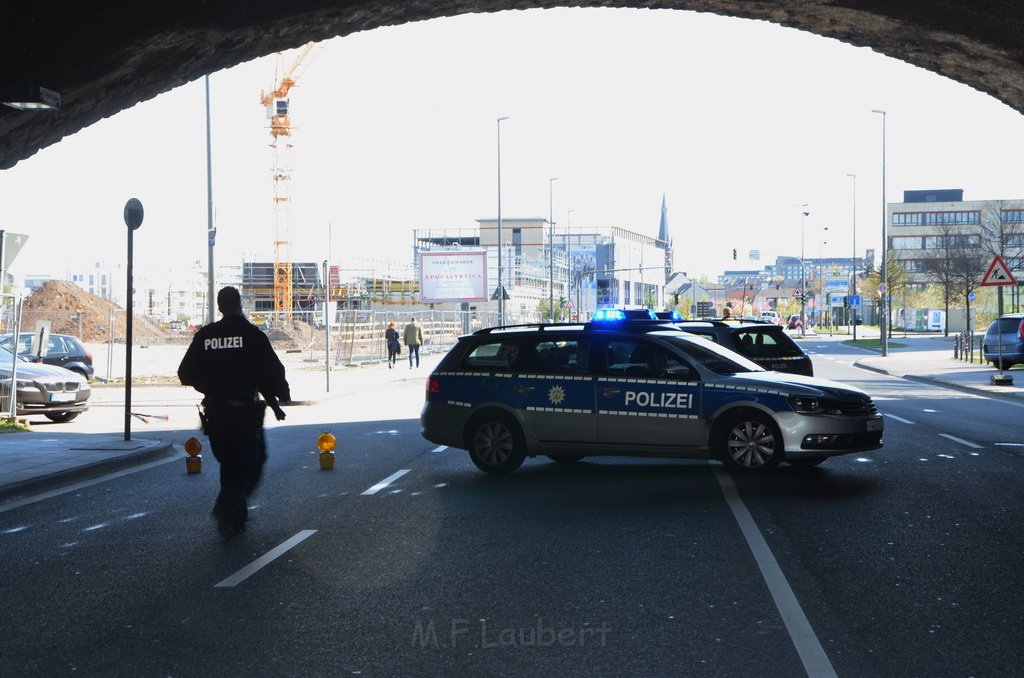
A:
(106, 56)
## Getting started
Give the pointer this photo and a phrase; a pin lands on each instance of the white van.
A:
(772, 317)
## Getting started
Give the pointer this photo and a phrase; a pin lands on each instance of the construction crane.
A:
(277, 104)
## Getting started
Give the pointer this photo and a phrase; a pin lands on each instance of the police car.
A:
(609, 387)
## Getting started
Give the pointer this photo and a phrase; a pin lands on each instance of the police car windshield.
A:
(710, 355)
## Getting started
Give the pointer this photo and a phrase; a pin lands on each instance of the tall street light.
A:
(803, 277)
(568, 258)
(853, 262)
(551, 249)
(501, 278)
(884, 287)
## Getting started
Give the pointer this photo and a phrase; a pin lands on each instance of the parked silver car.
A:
(59, 394)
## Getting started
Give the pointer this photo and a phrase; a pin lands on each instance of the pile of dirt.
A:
(72, 310)
(293, 336)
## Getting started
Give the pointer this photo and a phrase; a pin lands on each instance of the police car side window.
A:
(493, 355)
(638, 359)
(554, 356)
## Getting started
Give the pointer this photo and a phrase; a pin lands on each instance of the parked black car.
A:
(1009, 331)
(764, 343)
(62, 350)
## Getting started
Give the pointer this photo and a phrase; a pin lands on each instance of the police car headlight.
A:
(806, 405)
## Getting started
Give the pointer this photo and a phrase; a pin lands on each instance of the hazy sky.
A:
(736, 122)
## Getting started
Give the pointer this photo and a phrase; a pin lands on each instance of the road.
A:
(405, 560)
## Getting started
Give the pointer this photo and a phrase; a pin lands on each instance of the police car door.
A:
(645, 395)
(554, 391)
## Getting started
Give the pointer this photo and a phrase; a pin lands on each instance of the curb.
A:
(931, 381)
(152, 451)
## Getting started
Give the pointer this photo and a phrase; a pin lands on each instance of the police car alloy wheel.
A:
(496, 445)
(750, 441)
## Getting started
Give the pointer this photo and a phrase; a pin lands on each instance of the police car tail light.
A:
(433, 386)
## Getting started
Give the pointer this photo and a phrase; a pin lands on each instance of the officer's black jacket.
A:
(232, 359)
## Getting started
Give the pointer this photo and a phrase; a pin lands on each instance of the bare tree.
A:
(940, 267)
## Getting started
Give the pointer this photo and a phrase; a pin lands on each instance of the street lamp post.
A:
(821, 280)
(568, 258)
(884, 287)
(803, 277)
(853, 262)
(551, 249)
(501, 278)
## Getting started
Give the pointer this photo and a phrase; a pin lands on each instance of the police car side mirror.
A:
(682, 373)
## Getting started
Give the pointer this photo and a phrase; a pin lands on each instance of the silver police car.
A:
(571, 391)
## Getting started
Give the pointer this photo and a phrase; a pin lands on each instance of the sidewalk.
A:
(48, 458)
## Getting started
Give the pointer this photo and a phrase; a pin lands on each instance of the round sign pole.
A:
(133, 219)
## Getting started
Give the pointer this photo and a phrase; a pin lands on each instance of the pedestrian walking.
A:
(413, 337)
(393, 343)
(231, 362)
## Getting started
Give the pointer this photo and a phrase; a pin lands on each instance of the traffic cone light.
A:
(326, 444)
(194, 460)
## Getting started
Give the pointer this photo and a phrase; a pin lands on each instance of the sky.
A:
(737, 123)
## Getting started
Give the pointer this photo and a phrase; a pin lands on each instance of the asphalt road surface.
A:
(406, 561)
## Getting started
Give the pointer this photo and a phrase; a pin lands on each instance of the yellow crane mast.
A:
(277, 105)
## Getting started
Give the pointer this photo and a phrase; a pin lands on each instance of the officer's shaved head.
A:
(229, 301)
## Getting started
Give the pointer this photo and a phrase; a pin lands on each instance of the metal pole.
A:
(128, 344)
(501, 278)
(883, 320)
(211, 232)
(551, 249)
(803, 278)
(853, 262)
(327, 326)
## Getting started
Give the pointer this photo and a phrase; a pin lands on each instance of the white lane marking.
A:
(1009, 444)
(966, 443)
(264, 560)
(927, 410)
(899, 419)
(440, 448)
(384, 483)
(807, 645)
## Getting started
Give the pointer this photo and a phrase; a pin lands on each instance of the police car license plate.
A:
(61, 397)
(874, 424)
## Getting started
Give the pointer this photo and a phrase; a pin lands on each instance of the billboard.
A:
(453, 275)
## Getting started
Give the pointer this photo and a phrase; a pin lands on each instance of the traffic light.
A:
(733, 252)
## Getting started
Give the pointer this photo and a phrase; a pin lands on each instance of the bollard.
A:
(194, 460)
(326, 444)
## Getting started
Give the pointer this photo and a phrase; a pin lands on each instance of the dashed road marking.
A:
(384, 483)
(264, 560)
(440, 448)
(966, 443)
(899, 419)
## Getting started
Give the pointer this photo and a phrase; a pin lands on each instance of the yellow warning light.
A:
(326, 442)
(193, 446)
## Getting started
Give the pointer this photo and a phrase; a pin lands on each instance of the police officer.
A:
(231, 361)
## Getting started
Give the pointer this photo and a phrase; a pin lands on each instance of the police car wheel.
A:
(496, 445)
(750, 441)
(564, 458)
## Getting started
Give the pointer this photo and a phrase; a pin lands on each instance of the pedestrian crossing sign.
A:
(998, 273)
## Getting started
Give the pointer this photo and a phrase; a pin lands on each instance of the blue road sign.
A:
(854, 300)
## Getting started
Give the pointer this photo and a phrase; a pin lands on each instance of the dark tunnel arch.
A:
(106, 59)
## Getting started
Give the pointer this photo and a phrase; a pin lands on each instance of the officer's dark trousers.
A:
(236, 439)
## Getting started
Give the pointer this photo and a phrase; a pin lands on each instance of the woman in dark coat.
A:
(394, 345)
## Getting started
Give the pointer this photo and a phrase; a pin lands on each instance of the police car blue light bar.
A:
(608, 314)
